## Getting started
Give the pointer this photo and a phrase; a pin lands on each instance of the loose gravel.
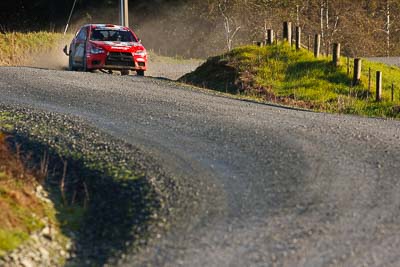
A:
(170, 68)
(262, 185)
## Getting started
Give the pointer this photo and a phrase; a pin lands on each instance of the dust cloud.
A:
(53, 59)
(176, 30)
(181, 31)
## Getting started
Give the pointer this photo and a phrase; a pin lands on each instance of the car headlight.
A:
(140, 53)
(96, 50)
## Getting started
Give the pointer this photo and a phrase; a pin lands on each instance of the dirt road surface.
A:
(275, 186)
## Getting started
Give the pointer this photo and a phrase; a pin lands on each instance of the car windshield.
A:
(112, 35)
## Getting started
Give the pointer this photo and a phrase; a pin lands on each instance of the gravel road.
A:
(273, 186)
(170, 68)
(386, 60)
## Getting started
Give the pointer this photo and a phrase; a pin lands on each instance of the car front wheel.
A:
(140, 72)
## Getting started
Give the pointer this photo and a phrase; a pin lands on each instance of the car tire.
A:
(84, 64)
(140, 72)
(124, 72)
(71, 63)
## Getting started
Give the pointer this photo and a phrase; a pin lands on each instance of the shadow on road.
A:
(102, 215)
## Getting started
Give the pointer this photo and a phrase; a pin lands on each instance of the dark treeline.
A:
(204, 27)
(25, 15)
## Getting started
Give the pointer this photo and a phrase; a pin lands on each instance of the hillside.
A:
(204, 28)
(282, 75)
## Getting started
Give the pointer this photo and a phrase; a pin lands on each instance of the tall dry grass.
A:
(18, 49)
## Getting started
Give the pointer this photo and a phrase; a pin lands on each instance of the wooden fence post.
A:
(392, 92)
(270, 36)
(369, 81)
(317, 45)
(336, 54)
(287, 32)
(378, 86)
(298, 38)
(357, 71)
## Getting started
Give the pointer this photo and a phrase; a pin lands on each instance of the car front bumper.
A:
(116, 61)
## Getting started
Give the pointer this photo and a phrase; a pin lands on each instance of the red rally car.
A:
(107, 47)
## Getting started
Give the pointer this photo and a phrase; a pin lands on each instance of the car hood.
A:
(119, 46)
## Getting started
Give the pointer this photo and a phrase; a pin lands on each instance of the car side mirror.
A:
(66, 50)
(140, 41)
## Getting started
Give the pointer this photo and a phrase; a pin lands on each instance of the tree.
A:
(387, 27)
(230, 24)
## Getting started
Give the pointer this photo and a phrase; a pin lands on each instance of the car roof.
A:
(107, 27)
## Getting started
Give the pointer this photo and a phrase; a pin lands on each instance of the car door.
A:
(79, 46)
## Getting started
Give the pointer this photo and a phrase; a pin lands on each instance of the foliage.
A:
(10, 240)
(21, 210)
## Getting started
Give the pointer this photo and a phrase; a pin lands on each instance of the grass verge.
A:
(21, 210)
(283, 75)
(21, 48)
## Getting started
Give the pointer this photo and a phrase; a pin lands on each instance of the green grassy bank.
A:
(20, 208)
(283, 75)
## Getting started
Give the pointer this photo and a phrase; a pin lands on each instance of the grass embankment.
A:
(281, 74)
(21, 210)
(21, 48)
